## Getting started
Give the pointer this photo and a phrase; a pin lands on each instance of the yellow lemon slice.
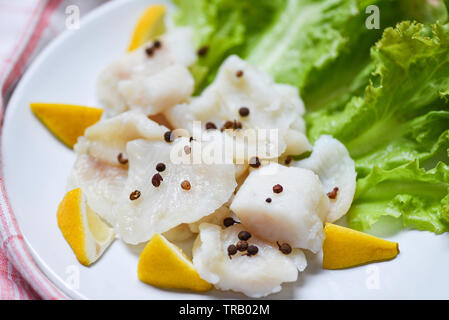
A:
(86, 233)
(344, 247)
(150, 25)
(162, 264)
(67, 122)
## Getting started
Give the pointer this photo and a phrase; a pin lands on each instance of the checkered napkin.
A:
(26, 27)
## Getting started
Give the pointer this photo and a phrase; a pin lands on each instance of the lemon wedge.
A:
(83, 229)
(150, 25)
(164, 265)
(67, 122)
(344, 248)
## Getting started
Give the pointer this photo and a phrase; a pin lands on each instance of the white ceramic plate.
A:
(36, 167)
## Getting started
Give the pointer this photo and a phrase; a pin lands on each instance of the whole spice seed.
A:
(333, 194)
(242, 246)
(236, 125)
(268, 200)
(203, 51)
(168, 136)
(285, 248)
(134, 195)
(149, 51)
(185, 185)
(277, 188)
(187, 149)
(227, 125)
(210, 126)
(232, 249)
(244, 111)
(288, 160)
(239, 73)
(227, 222)
(252, 250)
(231, 125)
(160, 167)
(121, 160)
(244, 235)
(156, 180)
(157, 44)
(254, 162)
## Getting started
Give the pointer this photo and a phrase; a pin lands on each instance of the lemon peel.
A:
(150, 25)
(66, 121)
(85, 232)
(164, 265)
(344, 248)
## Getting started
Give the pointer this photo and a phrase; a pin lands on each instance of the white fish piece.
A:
(271, 105)
(106, 139)
(154, 94)
(255, 276)
(159, 209)
(101, 183)
(331, 161)
(216, 218)
(128, 82)
(294, 216)
(296, 143)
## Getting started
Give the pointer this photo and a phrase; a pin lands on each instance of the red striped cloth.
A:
(26, 26)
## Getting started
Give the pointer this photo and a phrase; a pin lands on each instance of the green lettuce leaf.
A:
(403, 113)
(324, 46)
(321, 46)
(426, 11)
(418, 197)
(425, 138)
(224, 27)
(300, 42)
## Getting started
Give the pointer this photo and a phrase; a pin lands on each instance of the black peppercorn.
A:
(252, 250)
(244, 235)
